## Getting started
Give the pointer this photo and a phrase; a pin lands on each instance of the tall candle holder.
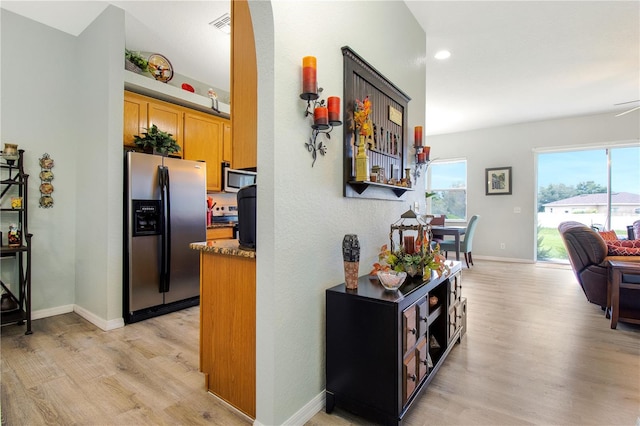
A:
(323, 121)
(422, 159)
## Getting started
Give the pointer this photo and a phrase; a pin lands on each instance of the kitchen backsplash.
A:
(224, 197)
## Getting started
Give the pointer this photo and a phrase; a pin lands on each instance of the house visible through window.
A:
(448, 180)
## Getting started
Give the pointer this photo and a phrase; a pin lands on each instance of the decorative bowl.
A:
(391, 280)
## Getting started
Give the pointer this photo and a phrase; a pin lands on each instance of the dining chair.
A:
(466, 244)
(438, 221)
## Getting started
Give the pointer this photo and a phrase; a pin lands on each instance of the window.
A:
(448, 179)
(599, 187)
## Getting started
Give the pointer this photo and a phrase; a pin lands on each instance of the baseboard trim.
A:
(230, 407)
(304, 414)
(51, 312)
(101, 323)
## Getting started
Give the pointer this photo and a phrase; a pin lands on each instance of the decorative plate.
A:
(46, 201)
(46, 175)
(46, 188)
(160, 68)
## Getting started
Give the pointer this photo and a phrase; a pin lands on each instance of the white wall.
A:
(39, 113)
(514, 146)
(63, 95)
(100, 168)
(302, 215)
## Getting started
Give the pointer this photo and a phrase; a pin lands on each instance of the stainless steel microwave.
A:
(234, 179)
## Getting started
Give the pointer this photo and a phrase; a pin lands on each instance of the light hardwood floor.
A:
(535, 352)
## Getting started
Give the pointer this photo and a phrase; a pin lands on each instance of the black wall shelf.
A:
(14, 183)
(387, 145)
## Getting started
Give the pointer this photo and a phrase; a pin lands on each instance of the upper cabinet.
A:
(141, 112)
(168, 117)
(244, 87)
(201, 136)
(203, 140)
(135, 117)
(227, 150)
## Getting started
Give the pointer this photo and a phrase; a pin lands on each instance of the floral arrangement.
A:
(412, 263)
(361, 117)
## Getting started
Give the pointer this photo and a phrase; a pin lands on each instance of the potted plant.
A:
(158, 141)
(135, 62)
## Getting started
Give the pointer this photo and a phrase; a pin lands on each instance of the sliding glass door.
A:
(597, 187)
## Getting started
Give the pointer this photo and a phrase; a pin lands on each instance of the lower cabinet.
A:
(384, 347)
(220, 233)
(228, 328)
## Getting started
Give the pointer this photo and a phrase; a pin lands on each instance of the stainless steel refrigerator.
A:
(165, 210)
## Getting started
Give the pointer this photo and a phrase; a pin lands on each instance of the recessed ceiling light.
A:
(223, 23)
(443, 54)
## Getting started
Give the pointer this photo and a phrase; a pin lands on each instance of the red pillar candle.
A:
(409, 245)
(334, 108)
(422, 157)
(426, 150)
(320, 116)
(309, 81)
(418, 136)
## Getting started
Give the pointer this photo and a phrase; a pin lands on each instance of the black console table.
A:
(384, 347)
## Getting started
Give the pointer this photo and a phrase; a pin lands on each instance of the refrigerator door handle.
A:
(168, 231)
(165, 254)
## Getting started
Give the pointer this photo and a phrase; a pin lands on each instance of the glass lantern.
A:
(411, 234)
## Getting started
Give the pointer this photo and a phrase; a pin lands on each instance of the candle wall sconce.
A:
(422, 159)
(325, 116)
(422, 153)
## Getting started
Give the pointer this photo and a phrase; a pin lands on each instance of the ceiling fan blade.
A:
(627, 112)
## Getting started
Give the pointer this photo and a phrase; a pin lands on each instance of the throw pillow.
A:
(628, 248)
(608, 235)
(625, 243)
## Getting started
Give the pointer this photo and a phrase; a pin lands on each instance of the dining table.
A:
(456, 231)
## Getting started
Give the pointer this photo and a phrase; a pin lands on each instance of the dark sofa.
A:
(587, 252)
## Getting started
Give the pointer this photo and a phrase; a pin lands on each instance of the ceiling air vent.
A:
(223, 23)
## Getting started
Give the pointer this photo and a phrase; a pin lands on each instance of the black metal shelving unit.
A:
(14, 184)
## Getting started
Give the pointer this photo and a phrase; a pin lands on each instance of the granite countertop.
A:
(223, 246)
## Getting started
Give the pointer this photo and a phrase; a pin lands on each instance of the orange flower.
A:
(361, 117)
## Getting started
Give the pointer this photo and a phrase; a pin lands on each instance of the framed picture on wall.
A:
(498, 181)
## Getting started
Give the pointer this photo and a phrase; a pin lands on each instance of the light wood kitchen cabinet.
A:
(227, 150)
(203, 140)
(228, 326)
(222, 233)
(135, 117)
(244, 87)
(168, 118)
(141, 112)
(201, 136)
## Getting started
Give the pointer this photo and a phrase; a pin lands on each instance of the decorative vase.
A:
(362, 162)
(351, 260)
